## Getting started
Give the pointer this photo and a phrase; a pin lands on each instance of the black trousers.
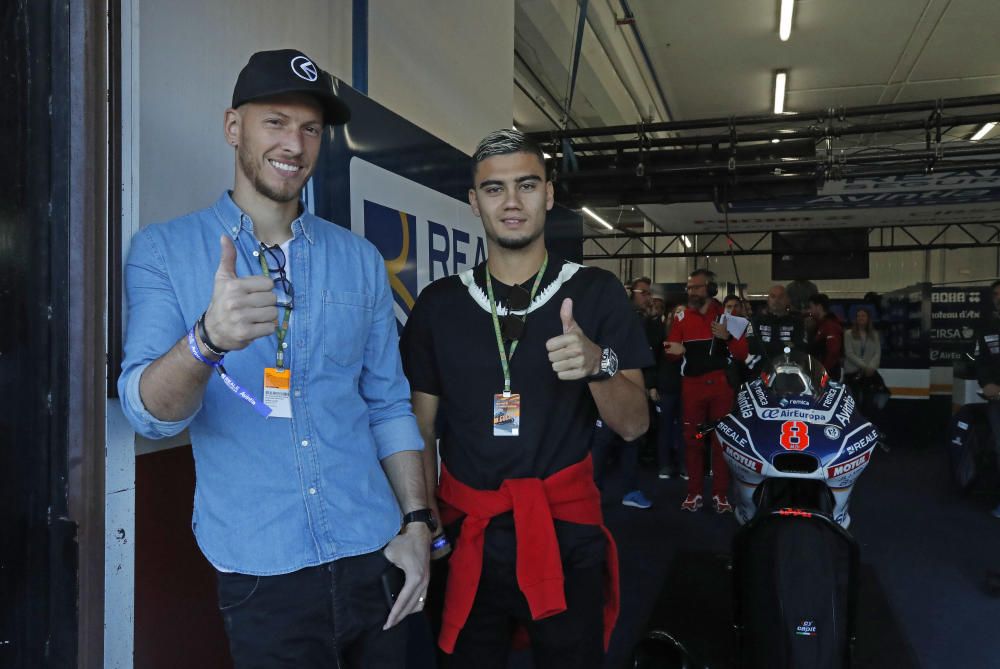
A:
(603, 439)
(321, 617)
(573, 639)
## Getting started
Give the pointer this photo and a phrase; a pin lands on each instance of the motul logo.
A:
(849, 466)
(743, 459)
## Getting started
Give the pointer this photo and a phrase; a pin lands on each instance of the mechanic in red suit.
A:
(706, 349)
(828, 340)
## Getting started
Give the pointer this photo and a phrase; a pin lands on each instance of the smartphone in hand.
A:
(392, 583)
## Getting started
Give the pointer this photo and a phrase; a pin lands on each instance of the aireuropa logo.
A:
(422, 234)
(806, 628)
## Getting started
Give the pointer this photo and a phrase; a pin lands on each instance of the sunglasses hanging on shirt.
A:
(274, 263)
(512, 325)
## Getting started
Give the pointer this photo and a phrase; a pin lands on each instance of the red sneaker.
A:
(691, 503)
(721, 504)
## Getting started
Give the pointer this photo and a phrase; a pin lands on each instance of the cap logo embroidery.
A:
(304, 68)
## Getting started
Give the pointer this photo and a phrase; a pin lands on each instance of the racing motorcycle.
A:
(795, 444)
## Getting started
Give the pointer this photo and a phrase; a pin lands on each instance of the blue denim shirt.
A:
(276, 495)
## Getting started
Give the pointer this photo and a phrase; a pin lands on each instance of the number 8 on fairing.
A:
(794, 435)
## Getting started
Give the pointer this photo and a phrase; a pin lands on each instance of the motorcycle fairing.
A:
(764, 428)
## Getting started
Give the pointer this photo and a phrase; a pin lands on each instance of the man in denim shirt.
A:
(309, 483)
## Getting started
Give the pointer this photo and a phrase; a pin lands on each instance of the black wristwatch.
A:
(421, 516)
(609, 365)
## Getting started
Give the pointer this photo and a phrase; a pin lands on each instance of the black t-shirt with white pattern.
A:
(449, 350)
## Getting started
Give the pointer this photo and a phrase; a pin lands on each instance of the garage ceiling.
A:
(693, 59)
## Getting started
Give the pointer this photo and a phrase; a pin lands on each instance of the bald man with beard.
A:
(778, 326)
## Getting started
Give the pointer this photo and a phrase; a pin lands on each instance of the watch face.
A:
(609, 362)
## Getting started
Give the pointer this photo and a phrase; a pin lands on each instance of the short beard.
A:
(252, 172)
(696, 301)
(518, 243)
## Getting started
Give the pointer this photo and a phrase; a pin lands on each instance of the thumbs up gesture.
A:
(242, 309)
(572, 355)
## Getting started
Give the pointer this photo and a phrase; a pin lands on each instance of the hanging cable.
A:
(729, 242)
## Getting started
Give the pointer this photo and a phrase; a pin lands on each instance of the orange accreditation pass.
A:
(277, 387)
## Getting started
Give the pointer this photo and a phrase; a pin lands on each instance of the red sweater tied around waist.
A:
(568, 495)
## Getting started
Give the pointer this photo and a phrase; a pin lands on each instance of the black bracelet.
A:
(206, 340)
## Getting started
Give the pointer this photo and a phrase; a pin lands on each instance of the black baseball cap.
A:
(270, 73)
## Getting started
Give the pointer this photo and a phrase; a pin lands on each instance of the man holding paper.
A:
(701, 338)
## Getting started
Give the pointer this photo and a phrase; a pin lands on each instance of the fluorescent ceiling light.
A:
(545, 155)
(785, 24)
(779, 91)
(687, 242)
(597, 218)
(985, 130)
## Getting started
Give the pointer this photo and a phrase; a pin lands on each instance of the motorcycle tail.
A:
(795, 576)
(779, 493)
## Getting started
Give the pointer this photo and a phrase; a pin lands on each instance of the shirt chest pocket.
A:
(347, 319)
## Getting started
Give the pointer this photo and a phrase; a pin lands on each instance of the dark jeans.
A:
(319, 617)
(670, 440)
(602, 441)
(573, 639)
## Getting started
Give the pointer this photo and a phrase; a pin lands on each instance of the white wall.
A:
(446, 66)
(190, 52)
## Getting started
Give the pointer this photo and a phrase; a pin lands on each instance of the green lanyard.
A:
(505, 358)
(279, 358)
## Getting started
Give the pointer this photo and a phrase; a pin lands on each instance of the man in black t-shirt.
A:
(510, 364)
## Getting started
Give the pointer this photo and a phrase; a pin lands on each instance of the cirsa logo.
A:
(304, 68)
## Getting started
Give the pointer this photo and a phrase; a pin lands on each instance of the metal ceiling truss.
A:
(761, 157)
(881, 239)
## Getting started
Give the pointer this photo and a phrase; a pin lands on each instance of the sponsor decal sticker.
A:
(794, 401)
(794, 414)
(831, 432)
(743, 459)
(732, 435)
(860, 445)
(806, 628)
(845, 411)
(743, 402)
(827, 401)
(849, 466)
(758, 390)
